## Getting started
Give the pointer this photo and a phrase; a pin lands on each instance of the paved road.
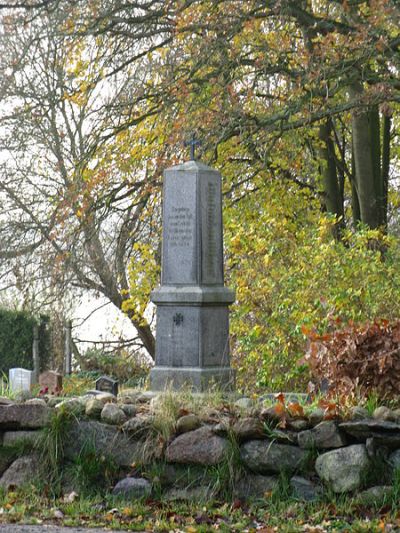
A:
(17, 528)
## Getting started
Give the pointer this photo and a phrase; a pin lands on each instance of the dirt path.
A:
(17, 528)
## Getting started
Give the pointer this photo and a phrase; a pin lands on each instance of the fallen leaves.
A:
(357, 358)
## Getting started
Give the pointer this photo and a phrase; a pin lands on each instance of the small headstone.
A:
(51, 382)
(20, 379)
(106, 384)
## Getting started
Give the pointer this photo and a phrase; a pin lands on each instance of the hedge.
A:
(16, 340)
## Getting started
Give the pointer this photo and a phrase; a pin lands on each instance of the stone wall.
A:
(239, 450)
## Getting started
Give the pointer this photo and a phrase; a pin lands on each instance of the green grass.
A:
(371, 403)
(5, 389)
(338, 514)
(91, 473)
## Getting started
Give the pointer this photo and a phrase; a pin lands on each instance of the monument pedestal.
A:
(199, 379)
(192, 337)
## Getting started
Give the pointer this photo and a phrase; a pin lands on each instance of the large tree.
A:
(329, 70)
(80, 167)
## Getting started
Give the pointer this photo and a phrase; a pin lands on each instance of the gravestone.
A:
(106, 384)
(192, 336)
(20, 379)
(52, 381)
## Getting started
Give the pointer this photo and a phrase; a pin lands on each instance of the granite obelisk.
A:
(192, 335)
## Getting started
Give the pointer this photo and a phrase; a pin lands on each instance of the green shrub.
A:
(121, 365)
(291, 275)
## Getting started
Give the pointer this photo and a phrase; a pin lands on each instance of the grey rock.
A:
(359, 413)
(172, 475)
(201, 447)
(343, 469)
(316, 416)
(132, 396)
(20, 472)
(24, 416)
(371, 447)
(103, 396)
(199, 493)
(248, 428)
(137, 427)
(394, 460)
(266, 456)
(376, 450)
(325, 435)
(269, 414)
(244, 403)
(222, 427)
(212, 416)
(255, 486)
(10, 438)
(298, 424)
(36, 401)
(304, 489)
(383, 432)
(183, 476)
(146, 396)
(6, 401)
(53, 401)
(94, 408)
(375, 495)
(112, 414)
(7, 456)
(132, 488)
(129, 409)
(106, 397)
(68, 482)
(71, 405)
(187, 423)
(283, 436)
(384, 413)
(106, 439)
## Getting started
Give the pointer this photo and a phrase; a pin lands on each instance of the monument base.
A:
(198, 379)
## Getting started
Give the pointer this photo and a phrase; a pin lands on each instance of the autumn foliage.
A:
(358, 358)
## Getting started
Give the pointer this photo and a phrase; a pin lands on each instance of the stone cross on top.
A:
(192, 142)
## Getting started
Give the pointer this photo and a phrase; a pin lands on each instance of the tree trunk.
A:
(375, 133)
(355, 204)
(385, 167)
(363, 162)
(332, 195)
(146, 336)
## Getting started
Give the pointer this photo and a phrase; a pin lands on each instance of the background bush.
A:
(291, 275)
(121, 365)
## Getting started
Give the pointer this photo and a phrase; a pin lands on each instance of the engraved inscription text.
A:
(180, 227)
